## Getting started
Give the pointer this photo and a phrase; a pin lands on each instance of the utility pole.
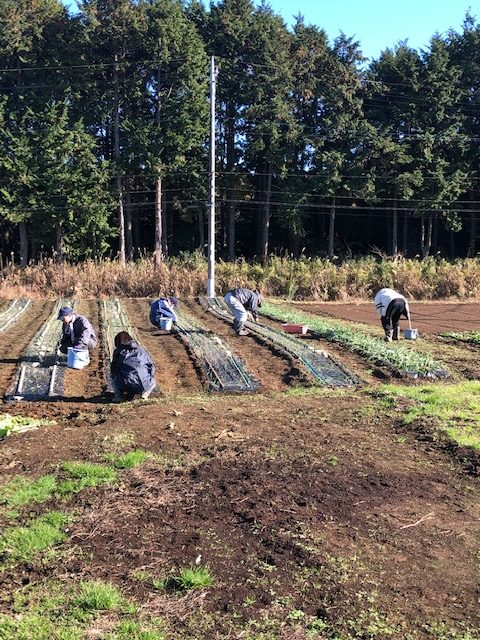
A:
(211, 216)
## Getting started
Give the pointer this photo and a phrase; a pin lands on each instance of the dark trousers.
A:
(391, 319)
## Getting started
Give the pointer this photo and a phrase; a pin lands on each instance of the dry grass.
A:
(307, 278)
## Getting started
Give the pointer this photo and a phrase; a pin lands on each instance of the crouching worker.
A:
(391, 305)
(243, 304)
(76, 331)
(163, 309)
(132, 370)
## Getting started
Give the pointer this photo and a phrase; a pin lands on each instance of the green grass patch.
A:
(21, 491)
(97, 596)
(36, 627)
(56, 611)
(81, 475)
(128, 460)
(75, 476)
(456, 408)
(24, 543)
(189, 578)
(394, 356)
(131, 630)
(18, 424)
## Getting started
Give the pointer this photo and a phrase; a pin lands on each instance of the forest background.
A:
(104, 136)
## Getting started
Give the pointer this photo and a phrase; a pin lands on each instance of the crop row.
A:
(397, 357)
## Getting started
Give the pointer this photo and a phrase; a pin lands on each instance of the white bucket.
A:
(410, 334)
(77, 358)
(166, 324)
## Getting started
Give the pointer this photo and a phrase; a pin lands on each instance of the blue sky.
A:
(378, 24)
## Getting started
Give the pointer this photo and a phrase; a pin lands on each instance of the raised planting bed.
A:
(13, 312)
(396, 357)
(41, 370)
(470, 337)
(224, 372)
(318, 365)
(114, 319)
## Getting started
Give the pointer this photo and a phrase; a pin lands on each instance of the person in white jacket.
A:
(390, 306)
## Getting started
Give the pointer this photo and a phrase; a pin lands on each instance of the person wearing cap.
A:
(76, 331)
(163, 308)
(132, 370)
(243, 304)
(390, 306)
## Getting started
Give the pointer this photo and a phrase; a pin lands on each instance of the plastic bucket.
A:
(410, 334)
(77, 358)
(166, 324)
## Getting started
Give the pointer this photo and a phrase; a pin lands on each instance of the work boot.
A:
(241, 331)
(396, 333)
(388, 336)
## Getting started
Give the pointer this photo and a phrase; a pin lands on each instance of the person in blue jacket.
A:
(132, 370)
(76, 331)
(163, 308)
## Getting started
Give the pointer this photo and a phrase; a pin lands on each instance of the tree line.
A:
(104, 134)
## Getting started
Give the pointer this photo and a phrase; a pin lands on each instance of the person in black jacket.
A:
(76, 331)
(132, 369)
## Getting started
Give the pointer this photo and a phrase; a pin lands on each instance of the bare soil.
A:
(313, 499)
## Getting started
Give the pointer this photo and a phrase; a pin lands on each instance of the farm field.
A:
(300, 511)
(427, 317)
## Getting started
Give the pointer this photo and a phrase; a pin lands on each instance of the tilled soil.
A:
(88, 383)
(175, 369)
(427, 317)
(314, 500)
(14, 340)
(274, 370)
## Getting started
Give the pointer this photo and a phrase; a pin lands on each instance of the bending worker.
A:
(76, 331)
(243, 304)
(132, 369)
(391, 305)
(163, 308)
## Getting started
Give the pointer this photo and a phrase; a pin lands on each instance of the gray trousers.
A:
(236, 307)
